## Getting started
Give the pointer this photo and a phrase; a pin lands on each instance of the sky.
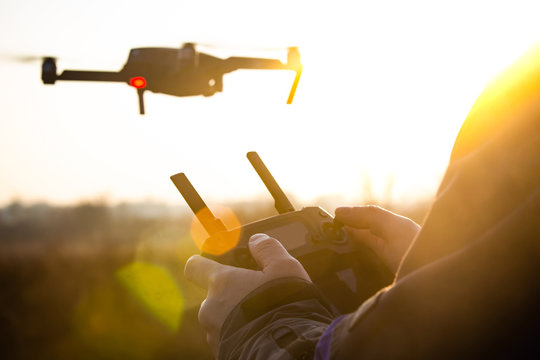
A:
(385, 88)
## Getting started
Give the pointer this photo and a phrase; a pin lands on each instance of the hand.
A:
(387, 234)
(228, 285)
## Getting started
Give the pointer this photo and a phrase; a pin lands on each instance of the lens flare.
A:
(219, 243)
(154, 287)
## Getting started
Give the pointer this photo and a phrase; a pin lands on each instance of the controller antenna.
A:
(211, 224)
(282, 203)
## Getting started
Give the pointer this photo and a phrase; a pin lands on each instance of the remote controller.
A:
(347, 273)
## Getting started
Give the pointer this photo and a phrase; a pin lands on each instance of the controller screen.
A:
(292, 235)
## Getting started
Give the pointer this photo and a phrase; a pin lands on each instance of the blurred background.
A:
(93, 234)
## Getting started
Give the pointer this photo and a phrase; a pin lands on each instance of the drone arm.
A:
(92, 76)
(236, 63)
(77, 75)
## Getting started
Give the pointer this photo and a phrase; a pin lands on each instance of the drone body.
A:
(177, 72)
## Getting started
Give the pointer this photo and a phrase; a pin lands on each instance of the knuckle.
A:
(213, 279)
(188, 267)
(266, 245)
(219, 288)
(221, 280)
(222, 276)
(203, 311)
(207, 313)
(374, 209)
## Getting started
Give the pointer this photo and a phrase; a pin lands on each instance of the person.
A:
(467, 283)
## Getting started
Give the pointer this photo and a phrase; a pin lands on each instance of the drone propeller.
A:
(235, 47)
(21, 58)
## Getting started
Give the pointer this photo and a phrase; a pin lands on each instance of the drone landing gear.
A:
(140, 92)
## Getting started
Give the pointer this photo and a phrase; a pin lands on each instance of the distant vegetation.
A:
(94, 281)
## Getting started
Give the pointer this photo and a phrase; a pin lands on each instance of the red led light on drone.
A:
(138, 82)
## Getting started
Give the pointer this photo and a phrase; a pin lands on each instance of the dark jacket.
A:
(469, 286)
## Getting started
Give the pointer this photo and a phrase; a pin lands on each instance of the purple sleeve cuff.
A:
(322, 350)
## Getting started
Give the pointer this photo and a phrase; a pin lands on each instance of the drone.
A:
(183, 71)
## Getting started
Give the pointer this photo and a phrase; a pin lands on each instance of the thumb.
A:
(378, 220)
(367, 238)
(202, 271)
(266, 250)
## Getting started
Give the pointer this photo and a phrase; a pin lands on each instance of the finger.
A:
(201, 270)
(207, 316)
(266, 250)
(366, 237)
(202, 316)
(371, 217)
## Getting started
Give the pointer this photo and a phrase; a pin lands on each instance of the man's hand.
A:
(388, 234)
(228, 285)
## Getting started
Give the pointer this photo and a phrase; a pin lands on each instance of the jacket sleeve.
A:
(283, 319)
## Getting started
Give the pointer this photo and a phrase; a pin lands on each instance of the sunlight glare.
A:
(216, 245)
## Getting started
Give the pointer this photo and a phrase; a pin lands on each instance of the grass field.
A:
(93, 282)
